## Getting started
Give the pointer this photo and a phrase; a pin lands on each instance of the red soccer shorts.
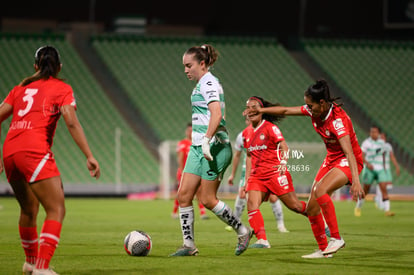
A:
(30, 166)
(341, 164)
(278, 185)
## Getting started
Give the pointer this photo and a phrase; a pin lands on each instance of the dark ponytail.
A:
(47, 60)
(320, 90)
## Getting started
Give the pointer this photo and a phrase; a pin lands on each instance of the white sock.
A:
(278, 212)
(239, 206)
(360, 202)
(224, 213)
(378, 198)
(387, 205)
(187, 225)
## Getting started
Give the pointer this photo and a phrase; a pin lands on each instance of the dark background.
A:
(311, 18)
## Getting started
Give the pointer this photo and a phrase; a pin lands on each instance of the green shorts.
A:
(388, 175)
(369, 176)
(209, 170)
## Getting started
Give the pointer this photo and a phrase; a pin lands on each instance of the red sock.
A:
(202, 209)
(30, 243)
(257, 223)
(318, 229)
(328, 210)
(175, 209)
(49, 239)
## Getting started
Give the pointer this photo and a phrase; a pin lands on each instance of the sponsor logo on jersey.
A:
(277, 132)
(338, 126)
(257, 147)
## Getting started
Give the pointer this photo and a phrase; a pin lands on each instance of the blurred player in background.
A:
(240, 203)
(183, 147)
(388, 156)
(375, 153)
(36, 105)
(210, 152)
(341, 166)
(266, 167)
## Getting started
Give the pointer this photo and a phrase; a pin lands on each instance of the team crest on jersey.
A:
(262, 136)
(327, 132)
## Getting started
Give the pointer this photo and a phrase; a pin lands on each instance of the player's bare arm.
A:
(356, 188)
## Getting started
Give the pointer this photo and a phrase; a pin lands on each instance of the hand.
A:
(93, 167)
(230, 180)
(205, 147)
(397, 171)
(1, 167)
(357, 191)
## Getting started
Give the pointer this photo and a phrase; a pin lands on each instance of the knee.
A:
(208, 203)
(29, 212)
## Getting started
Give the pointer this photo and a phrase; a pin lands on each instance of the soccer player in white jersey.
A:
(388, 156)
(210, 152)
(373, 150)
(240, 202)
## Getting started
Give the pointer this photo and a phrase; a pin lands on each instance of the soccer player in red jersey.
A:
(342, 164)
(266, 167)
(36, 105)
(183, 147)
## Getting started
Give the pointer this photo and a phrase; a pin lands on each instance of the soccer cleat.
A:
(260, 244)
(357, 212)
(174, 215)
(228, 228)
(44, 272)
(333, 246)
(243, 243)
(204, 217)
(316, 255)
(28, 268)
(185, 251)
(389, 213)
(282, 229)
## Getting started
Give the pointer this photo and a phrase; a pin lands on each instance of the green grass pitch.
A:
(94, 230)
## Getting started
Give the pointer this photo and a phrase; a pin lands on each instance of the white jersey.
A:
(208, 89)
(374, 152)
(238, 146)
(387, 152)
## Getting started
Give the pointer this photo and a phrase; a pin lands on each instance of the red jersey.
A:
(184, 147)
(263, 145)
(335, 125)
(36, 110)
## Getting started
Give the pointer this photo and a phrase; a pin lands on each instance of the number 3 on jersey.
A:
(29, 93)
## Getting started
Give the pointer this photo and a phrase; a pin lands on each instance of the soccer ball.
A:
(137, 243)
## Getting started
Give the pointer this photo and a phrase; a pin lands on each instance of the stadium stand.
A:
(98, 116)
(149, 72)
